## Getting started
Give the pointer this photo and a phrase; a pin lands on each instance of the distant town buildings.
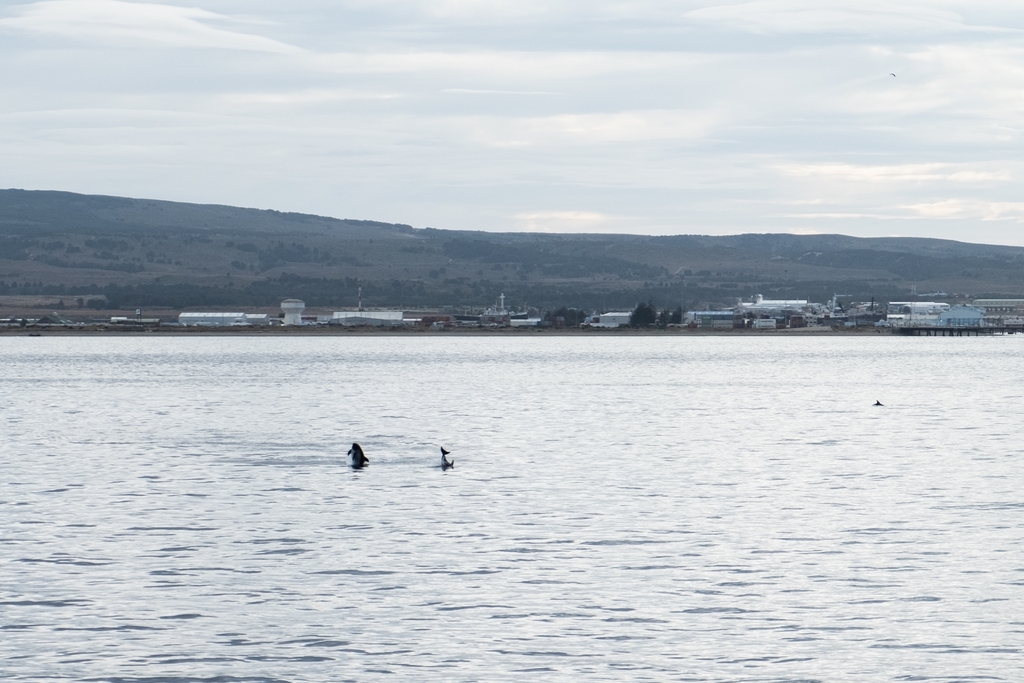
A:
(899, 313)
(292, 315)
(761, 314)
(1002, 312)
(757, 313)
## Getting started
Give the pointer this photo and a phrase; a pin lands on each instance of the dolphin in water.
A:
(356, 458)
(445, 462)
(879, 403)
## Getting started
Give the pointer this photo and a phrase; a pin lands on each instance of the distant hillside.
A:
(144, 253)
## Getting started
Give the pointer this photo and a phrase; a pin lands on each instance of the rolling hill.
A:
(122, 253)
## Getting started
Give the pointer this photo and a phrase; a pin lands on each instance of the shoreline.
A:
(132, 330)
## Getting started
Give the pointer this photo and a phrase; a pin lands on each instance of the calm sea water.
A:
(693, 509)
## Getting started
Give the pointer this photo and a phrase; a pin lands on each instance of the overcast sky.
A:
(643, 116)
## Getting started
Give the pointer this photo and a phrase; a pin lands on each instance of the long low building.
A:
(212, 318)
(1002, 312)
(216, 319)
(610, 319)
(770, 307)
(1000, 307)
(722, 319)
(378, 318)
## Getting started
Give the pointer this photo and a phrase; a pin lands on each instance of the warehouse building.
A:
(962, 316)
(212, 319)
(902, 313)
(376, 318)
(611, 319)
(1002, 312)
(717, 320)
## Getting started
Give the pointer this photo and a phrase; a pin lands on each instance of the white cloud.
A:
(972, 209)
(305, 97)
(471, 91)
(509, 65)
(562, 221)
(844, 215)
(483, 12)
(105, 22)
(589, 129)
(943, 209)
(830, 16)
(898, 172)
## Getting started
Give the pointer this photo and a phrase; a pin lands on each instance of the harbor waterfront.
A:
(990, 316)
(626, 506)
(484, 332)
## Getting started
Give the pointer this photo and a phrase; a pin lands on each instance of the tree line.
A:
(646, 314)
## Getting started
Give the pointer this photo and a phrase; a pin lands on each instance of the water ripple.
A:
(719, 510)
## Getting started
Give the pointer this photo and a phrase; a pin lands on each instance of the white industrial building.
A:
(901, 313)
(378, 318)
(999, 312)
(221, 318)
(611, 319)
(212, 319)
(762, 306)
(785, 312)
(1001, 306)
(292, 309)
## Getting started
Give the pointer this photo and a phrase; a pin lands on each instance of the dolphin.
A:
(356, 458)
(445, 462)
(879, 403)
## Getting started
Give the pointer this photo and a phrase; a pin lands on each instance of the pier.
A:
(933, 331)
